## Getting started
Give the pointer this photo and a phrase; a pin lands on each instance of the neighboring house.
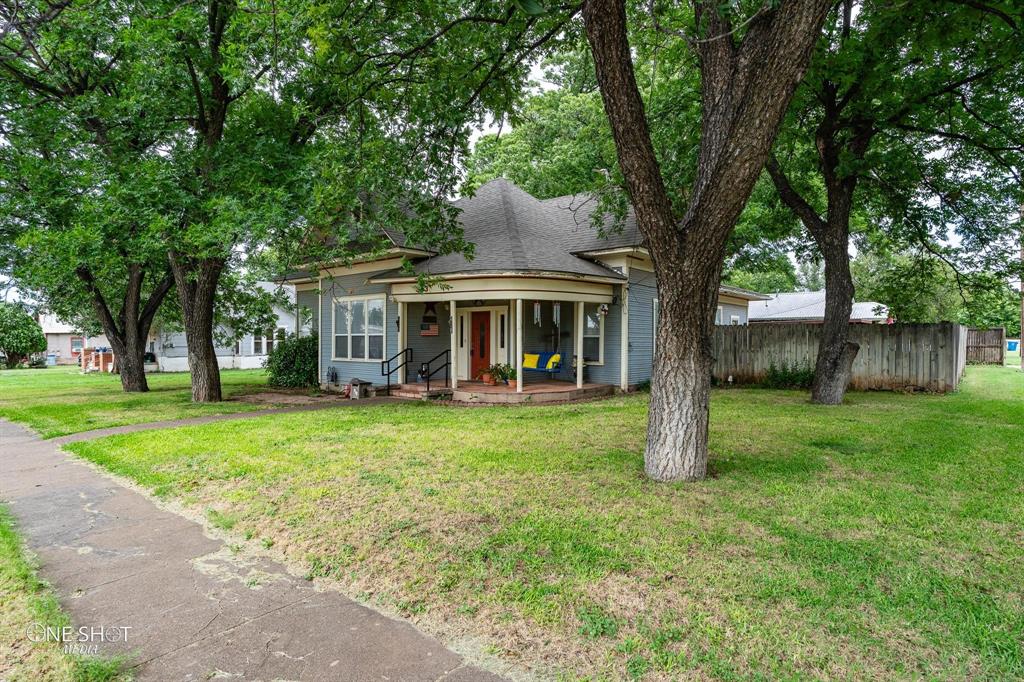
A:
(542, 281)
(64, 341)
(809, 306)
(249, 352)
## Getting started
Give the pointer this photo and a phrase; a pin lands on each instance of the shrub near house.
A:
(292, 362)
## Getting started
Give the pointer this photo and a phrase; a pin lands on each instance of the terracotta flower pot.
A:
(487, 379)
(513, 383)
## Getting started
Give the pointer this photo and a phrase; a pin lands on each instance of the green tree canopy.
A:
(20, 335)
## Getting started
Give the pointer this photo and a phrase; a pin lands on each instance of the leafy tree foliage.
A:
(767, 276)
(560, 144)
(83, 193)
(917, 287)
(20, 335)
(864, 149)
(270, 124)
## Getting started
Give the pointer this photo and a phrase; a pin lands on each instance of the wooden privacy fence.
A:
(892, 356)
(986, 346)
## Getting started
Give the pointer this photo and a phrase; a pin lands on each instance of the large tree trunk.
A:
(677, 428)
(833, 367)
(745, 90)
(836, 353)
(197, 289)
(130, 330)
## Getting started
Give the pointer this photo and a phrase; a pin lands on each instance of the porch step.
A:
(420, 392)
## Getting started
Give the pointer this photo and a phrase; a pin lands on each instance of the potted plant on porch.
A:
(506, 373)
(489, 375)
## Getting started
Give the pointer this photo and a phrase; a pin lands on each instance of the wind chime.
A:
(556, 313)
(536, 313)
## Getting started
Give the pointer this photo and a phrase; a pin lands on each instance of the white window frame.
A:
(734, 320)
(384, 336)
(599, 337)
(279, 333)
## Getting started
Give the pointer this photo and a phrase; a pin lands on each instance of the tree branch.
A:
(793, 199)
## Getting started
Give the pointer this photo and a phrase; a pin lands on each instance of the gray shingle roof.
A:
(512, 231)
(809, 305)
(575, 212)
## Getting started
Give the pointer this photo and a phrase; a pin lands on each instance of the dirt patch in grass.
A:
(279, 396)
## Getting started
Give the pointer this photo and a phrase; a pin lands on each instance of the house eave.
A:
(493, 274)
(386, 254)
(739, 292)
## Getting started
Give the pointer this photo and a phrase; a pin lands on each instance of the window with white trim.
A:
(265, 344)
(593, 334)
(359, 328)
(734, 320)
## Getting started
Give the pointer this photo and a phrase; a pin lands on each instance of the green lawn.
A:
(881, 539)
(60, 400)
(28, 605)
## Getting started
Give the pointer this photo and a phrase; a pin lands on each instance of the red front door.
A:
(479, 343)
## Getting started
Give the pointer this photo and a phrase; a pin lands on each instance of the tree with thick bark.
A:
(749, 70)
(275, 119)
(885, 77)
(80, 184)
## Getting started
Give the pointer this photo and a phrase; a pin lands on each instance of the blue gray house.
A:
(542, 289)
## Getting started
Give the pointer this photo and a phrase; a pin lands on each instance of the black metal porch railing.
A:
(386, 368)
(428, 370)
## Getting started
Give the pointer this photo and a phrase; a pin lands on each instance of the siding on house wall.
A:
(643, 289)
(354, 285)
(609, 372)
(730, 309)
(426, 347)
(308, 299)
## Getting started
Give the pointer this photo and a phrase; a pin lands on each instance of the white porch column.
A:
(454, 369)
(519, 345)
(579, 344)
(624, 333)
(403, 337)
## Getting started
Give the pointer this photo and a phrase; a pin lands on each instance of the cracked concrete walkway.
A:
(195, 610)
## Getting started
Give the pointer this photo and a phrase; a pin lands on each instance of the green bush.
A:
(293, 362)
(788, 376)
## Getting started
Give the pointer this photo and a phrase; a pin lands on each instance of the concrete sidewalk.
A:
(195, 611)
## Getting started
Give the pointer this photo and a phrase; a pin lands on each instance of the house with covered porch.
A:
(571, 311)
